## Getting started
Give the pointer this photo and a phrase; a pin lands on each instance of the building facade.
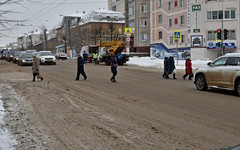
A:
(169, 28)
(138, 20)
(206, 17)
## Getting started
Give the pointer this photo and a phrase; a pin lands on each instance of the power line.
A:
(67, 3)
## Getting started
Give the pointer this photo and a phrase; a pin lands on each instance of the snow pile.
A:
(158, 63)
(6, 139)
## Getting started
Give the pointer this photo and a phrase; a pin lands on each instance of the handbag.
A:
(115, 65)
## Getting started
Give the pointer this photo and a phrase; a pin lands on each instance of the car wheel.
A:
(238, 88)
(200, 82)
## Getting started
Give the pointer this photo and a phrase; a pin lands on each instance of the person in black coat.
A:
(113, 62)
(171, 67)
(80, 68)
(165, 73)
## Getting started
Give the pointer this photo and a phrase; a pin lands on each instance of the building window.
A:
(182, 18)
(131, 10)
(170, 5)
(211, 35)
(159, 3)
(160, 35)
(143, 22)
(218, 15)
(144, 36)
(160, 19)
(181, 3)
(143, 8)
(170, 22)
(114, 8)
(183, 39)
(176, 21)
(175, 3)
(131, 23)
(232, 35)
(171, 40)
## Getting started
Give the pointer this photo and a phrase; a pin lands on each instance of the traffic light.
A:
(219, 34)
(226, 34)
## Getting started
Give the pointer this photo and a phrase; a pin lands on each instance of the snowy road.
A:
(140, 111)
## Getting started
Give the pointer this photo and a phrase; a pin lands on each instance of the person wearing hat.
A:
(80, 68)
(171, 67)
(114, 63)
(188, 69)
(35, 68)
(165, 72)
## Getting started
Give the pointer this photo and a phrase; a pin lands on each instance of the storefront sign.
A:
(196, 7)
(196, 40)
(228, 45)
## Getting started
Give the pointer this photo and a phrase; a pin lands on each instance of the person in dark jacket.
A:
(171, 67)
(165, 73)
(80, 68)
(35, 68)
(113, 62)
(188, 69)
(85, 55)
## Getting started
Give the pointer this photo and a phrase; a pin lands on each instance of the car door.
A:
(230, 70)
(214, 73)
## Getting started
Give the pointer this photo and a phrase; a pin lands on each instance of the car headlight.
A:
(24, 61)
(11, 56)
(16, 58)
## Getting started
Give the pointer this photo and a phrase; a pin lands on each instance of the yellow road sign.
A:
(177, 35)
(128, 31)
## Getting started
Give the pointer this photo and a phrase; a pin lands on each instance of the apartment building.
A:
(169, 17)
(206, 17)
(139, 22)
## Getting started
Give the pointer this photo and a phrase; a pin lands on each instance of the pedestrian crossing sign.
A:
(128, 31)
(177, 35)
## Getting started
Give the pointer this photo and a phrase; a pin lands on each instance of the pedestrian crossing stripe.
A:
(128, 31)
(177, 35)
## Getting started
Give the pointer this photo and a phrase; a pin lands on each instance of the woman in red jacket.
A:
(188, 69)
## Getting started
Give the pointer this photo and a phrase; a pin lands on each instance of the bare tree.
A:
(6, 23)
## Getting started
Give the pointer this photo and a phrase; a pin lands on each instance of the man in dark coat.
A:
(188, 69)
(171, 67)
(85, 55)
(165, 73)
(80, 68)
(113, 62)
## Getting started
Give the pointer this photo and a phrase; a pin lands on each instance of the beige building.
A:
(139, 21)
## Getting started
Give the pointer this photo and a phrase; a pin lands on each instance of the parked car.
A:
(10, 54)
(16, 56)
(62, 56)
(25, 59)
(224, 72)
(46, 57)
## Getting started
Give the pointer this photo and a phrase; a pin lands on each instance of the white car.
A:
(46, 57)
(224, 72)
(62, 56)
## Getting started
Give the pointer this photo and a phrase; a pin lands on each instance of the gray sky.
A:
(45, 12)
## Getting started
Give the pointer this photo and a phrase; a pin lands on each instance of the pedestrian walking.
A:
(95, 56)
(171, 67)
(165, 73)
(114, 63)
(35, 68)
(188, 69)
(85, 56)
(80, 68)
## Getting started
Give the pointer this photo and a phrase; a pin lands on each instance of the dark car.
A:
(25, 59)
(10, 54)
(16, 56)
(3, 53)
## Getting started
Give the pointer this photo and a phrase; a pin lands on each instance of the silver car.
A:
(224, 72)
(25, 59)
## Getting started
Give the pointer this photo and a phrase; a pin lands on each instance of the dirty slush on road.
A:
(57, 114)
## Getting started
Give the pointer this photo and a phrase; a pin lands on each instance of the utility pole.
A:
(222, 37)
(127, 23)
(45, 39)
(69, 34)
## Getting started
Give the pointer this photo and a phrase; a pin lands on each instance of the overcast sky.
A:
(44, 12)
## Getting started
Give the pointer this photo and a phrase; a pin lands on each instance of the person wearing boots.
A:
(80, 68)
(188, 68)
(171, 67)
(35, 68)
(114, 63)
(165, 73)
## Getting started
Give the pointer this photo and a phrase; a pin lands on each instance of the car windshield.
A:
(46, 54)
(13, 51)
(26, 55)
(17, 54)
(30, 51)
